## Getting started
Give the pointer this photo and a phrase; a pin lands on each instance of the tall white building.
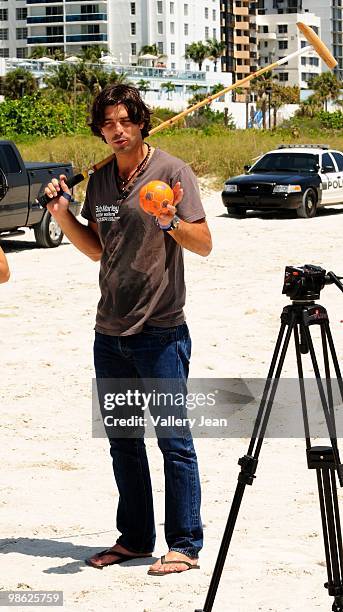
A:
(13, 28)
(121, 26)
(330, 13)
(278, 37)
(170, 24)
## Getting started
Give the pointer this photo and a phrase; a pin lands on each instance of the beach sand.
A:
(58, 500)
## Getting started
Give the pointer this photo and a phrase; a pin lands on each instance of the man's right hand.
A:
(59, 204)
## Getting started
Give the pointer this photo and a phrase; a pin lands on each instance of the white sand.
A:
(58, 499)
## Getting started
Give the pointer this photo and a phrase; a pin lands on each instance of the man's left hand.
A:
(165, 217)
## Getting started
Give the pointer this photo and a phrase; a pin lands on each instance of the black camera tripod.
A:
(296, 319)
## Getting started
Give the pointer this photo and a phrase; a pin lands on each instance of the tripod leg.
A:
(323, 461)
(328, 416)
(302, 386)
(249, 462)
(328, 378)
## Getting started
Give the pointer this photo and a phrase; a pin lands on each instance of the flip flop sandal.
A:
(119, 558)
(190, 566)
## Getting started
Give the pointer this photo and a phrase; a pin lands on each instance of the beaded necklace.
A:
(125, 185)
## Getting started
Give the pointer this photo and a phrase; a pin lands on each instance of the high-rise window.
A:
(133, 48)
(4, 52)
(54, 31)
(89, 9)
(133, 9)
(185, 9)
(160, 27)
(214, 14)
(171, 8)
(206, 12)
(172, 27)
(159, 7)
(185, 29)
(283, 28)
(172, 48)
(133, 28)
(3, 33)
(54, 10)
(92, 28)
(21, 13)
(22, 52)
(160, 47)
(283, 77)
(3, 14)
(21, 33)
(207, 33)
(283, 44)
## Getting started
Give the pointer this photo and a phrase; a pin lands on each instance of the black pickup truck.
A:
(20, 184)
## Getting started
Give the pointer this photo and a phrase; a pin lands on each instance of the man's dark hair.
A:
(127, 95)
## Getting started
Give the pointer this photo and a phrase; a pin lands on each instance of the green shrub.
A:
(35, 115)
(331, 121)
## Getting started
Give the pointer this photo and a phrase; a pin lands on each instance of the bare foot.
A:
(171, 568)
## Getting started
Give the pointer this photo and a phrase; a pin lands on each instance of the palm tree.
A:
(216, 49)
(310, 107)
(92, 53)
(194, 88)
(169, 87)
(259, 86)
(143, 86)
(63, 78)
(149, 49)
(19, 83)
(283, 94)
(197, 52)
(327, 87)
(38, 52)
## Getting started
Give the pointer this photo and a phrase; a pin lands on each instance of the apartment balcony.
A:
(45, 19)
(240, 40)
(242, 25)
(243, 69)
(267, 35)
(240, 10)
(45, 40)
(87, 17)
(31, 2)
(81, 38)
(241, 54)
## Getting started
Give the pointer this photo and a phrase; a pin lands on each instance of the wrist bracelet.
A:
(173, 225)
(67, 196)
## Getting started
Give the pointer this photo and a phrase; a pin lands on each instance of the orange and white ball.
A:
(155, 196)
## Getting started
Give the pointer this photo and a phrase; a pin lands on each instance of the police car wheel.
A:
(234, 211)
(308, 207)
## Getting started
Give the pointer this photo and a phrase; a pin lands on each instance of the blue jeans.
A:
(153, 353)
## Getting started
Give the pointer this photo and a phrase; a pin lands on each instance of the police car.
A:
(301, 177)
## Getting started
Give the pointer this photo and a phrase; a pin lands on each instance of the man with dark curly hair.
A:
(140, 327)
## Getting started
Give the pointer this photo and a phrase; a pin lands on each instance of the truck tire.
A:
(235, 212)
(308, 207)
(48, 233)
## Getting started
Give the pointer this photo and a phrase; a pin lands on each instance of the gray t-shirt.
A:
(141, 271)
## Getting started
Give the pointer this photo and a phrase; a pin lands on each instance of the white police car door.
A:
(331, 180)
(338, 157)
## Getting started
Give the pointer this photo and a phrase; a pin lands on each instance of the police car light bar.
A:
(304, 146)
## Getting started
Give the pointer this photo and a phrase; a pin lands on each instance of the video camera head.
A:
(304, 283)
